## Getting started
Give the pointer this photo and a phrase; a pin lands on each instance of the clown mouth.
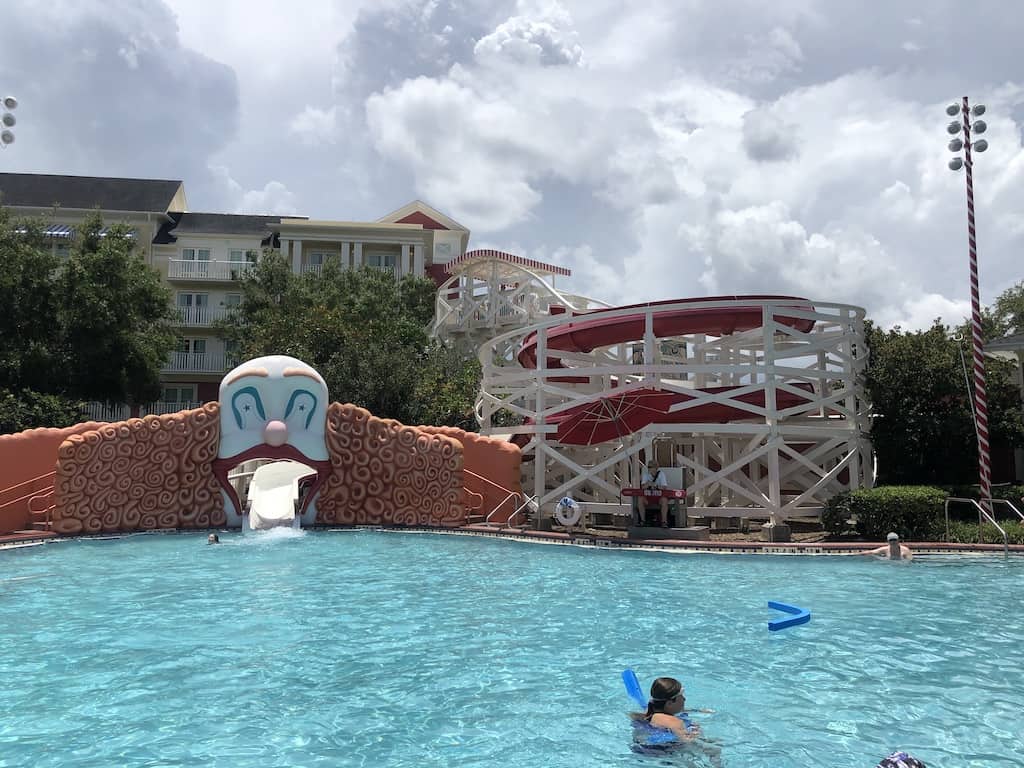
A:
(321, 469)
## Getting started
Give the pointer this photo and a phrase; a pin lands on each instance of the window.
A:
(317, 258)
(199, 259)
(193, 299)
(62, 251)
(233, 300)
(185, 393)
(192, 346)
(238, 255)
(381, 260)
(442, 251)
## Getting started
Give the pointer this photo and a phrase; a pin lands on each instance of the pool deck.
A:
(19, 539)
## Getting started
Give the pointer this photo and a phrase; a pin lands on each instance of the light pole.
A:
(965, 112)
(7, 121)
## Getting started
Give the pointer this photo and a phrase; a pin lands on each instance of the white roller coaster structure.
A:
(759, 399)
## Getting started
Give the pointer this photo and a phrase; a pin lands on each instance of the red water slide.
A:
(592, 330)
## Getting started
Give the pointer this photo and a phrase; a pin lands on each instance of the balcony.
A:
(199, 362)
(311, 268)
(207, 271)
(200, 317)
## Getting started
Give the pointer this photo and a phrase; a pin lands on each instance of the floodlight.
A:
(956, 145)
(979, 146)
(8, 120)
(7, 137)
(954, 127)
(953, 109)
(979, 126)
(10, 102)
(978, 110)
(956, 164)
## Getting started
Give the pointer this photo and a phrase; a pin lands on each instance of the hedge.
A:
(912, 511)
(967, 533)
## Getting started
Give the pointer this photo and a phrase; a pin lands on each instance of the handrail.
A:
(52, 473)
(987, 516)
(512, 495)
(478, 495)
(31, 494)
(508, 491)
(520, 508)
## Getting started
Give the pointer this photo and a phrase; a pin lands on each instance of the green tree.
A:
(923, 432)
(96, 327)
(116, 322)
(28, 295)
(364, 331)
(1007, 313)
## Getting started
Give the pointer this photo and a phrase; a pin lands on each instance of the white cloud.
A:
(273, 198)
(545, 41)
(728, 146)
(315, 126)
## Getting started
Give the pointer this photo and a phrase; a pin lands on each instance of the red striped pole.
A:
(980, 401)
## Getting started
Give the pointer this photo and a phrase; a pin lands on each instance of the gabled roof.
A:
(480, 255)
(41, 190)
(418, 212)
(242, 225)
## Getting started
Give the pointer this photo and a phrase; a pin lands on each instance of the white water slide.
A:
(274, 495)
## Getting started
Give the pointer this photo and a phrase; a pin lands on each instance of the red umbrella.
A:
(611, 417)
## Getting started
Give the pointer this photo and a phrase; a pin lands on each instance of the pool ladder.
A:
(982, 512)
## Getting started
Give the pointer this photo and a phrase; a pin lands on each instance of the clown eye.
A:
(247, 408)
(301, 408)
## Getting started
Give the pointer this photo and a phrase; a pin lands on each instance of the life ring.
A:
(568, 512)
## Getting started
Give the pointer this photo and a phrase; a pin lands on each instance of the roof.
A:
(215, 224)
(484, 254)
(1007, 346)
(40, 190)
(418, 217)
(418, 212)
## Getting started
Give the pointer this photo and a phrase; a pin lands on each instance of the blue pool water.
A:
(389, 649)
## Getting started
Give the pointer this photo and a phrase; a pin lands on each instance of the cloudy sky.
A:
(660, 149)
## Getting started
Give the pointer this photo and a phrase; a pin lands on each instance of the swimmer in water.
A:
(667, 702)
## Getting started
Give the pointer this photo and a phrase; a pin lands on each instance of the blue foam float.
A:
(636, 693)
(797, 616)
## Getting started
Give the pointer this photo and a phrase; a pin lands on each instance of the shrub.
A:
(836, 513)
(1013, 493)
(967, 533)
(912, 511)
(28, 410)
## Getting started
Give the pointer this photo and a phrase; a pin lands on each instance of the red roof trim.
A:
(489, 253)
(418, 217)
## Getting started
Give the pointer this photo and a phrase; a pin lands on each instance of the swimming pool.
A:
(391, 649)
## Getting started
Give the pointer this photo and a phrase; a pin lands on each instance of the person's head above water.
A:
(666, 696)
(893, 537)
(213, 538)
(900, 760)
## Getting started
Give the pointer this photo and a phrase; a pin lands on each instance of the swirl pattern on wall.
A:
(385, 473)
(141, 474)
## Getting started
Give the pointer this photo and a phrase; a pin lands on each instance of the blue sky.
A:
(659, 149)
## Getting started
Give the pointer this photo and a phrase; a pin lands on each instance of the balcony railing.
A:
(314, 268)
(199, 362)
(200, 317)
(201, 269)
